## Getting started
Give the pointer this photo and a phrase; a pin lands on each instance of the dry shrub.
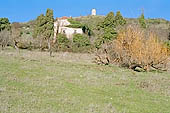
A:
(4, 38)
(135, 48)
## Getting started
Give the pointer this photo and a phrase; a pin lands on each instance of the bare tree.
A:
(15, 29)
(4, 38)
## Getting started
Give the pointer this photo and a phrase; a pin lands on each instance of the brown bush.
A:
(135, 48)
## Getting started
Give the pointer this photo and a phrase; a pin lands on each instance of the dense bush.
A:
(4, 24)
(80, 43)
(72, 21)
(80, 40)
(74, 24)
(134, 48)
(63, 43)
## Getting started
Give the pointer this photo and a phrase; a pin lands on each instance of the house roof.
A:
(63, 18)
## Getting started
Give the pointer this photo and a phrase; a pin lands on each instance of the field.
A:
(33, 82)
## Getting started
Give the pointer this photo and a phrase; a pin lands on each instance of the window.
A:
(64, 31)
(75, 31)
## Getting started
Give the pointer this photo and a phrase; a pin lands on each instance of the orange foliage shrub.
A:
(135, 48)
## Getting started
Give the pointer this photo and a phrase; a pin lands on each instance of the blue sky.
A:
(25, 10)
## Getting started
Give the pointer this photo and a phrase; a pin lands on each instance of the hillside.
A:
(159, 26)
(31, 81)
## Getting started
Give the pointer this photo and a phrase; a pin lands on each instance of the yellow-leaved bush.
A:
(135, 48)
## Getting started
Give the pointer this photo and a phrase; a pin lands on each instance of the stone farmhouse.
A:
(60, 26)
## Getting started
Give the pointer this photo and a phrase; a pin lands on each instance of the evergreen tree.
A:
(4, 24)
(119, 19)
(39, 28)
(109, 21)
(142, 21)
(45, 27)
(49, 26)
(108, 26)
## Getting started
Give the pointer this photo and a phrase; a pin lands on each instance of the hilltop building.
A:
(60, 26)
(93, 12)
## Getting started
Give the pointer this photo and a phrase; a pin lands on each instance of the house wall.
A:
(60, 27)
(70, 31)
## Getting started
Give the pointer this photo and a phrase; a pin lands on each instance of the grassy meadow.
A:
(33, 82)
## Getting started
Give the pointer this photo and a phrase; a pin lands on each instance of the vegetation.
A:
(87, 30)
(120, 21)
(77, 24)
(142, 21)
(135, 49)
(44, 28)
(4, 38)
(80, 41)
(74, 24)
(5, 28)
(109, 26)
(33, 82)
(4, 24)
(63, 43)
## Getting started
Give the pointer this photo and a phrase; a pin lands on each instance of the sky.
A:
(26, 10)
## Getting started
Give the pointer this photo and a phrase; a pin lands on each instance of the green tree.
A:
(39, 27)
(109, 21)
(4, 24)
(108, 30)
(142, 21)
(49, 26)
(5, 32)
(62, 39)
(80, 40)
(87, 30)
(45, 27)
(119, 19)
(63, 43)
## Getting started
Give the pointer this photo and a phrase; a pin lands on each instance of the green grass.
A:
(70, 83)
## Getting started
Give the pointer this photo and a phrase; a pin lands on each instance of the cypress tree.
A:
(45, 27)
(142, 21)
(119, 19)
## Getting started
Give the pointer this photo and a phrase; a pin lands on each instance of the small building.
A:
(60, 26)
(93, 12)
